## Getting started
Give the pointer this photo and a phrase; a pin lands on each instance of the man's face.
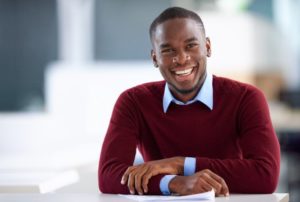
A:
(180, 50)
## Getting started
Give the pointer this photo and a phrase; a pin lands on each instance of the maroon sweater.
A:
(235, 140)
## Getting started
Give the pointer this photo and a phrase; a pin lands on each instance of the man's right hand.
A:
(201, 181)
(137, 177)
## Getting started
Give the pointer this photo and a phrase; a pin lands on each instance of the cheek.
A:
(165, 61)
(163, 72)
(200, 58)
(197, 55)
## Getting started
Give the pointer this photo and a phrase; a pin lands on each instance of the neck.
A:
(185, 97)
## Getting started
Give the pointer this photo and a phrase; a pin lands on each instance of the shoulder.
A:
(232, 87)
(247, 98)
(140, 97)
(237, 93)
(150, 90)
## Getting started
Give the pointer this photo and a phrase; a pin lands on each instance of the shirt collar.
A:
(205, 95)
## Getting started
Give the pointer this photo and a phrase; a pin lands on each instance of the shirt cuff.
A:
(189, 166)
(164, 184)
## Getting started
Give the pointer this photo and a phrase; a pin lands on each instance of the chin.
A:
(185, 91)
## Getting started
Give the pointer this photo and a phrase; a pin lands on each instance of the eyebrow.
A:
(191, 40)
(164, 45)
(167, 45)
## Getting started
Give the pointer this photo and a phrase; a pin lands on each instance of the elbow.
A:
(266, 188)
(263, 182)
(270, 185)
(110, 188)
(105, 187)
(104, 184)
(270, 177)
(111, 185)
(101, 186)
(105, 190)
(262, 185)
(109, 180)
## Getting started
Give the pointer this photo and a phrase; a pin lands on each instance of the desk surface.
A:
(115, 198)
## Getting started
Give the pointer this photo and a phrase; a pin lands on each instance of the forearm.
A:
(137, 177)
(253, 167)
(245, 175)
(256, 170)
(110, 181)
(202, 181)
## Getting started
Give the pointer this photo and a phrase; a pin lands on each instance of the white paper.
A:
(206, 196)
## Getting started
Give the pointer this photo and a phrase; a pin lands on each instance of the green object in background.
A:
(234, 5)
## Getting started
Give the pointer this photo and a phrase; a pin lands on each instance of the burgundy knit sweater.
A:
(235, 140)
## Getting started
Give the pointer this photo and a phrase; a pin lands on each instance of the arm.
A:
(116, 173)
(258, 170)
(119, 147)
(199, 182)
(137, 178)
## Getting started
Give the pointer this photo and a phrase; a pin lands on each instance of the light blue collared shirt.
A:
(205, 95)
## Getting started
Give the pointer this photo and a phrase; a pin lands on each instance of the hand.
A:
(138, 176)
(201, 181)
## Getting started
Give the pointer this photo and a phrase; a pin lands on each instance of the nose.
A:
(181, 58)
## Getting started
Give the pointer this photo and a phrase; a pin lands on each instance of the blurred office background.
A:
(63, 63)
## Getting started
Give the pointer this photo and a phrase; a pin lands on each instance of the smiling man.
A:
(195, 131)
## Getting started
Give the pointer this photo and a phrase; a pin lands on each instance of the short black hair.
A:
(172, 13)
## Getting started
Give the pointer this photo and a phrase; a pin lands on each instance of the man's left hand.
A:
(138, 176)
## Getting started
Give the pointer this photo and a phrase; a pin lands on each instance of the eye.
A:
(167, 50)
(191, 45)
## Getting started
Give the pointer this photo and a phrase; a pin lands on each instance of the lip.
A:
(184, 77)
(174, 70)
(184, 71)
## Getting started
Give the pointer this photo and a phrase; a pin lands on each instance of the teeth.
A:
(184, 72)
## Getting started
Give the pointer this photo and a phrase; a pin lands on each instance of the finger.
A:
(149, 172)
(146, 179)
(212, 182)
(138, 179)
(126, 174)
(205, 185)
(130, 183)
(224, 188)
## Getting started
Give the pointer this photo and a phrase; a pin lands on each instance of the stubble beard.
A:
(194, 88)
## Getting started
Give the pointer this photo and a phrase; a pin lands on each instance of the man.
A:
(195, 131)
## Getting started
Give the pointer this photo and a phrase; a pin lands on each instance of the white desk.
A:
(115, 198)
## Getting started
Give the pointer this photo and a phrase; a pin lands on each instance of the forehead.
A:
(178, 29)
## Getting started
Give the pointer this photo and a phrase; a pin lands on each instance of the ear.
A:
(208, 47)
(153, 56)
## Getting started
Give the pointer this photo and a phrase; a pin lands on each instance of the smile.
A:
(184, 72)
